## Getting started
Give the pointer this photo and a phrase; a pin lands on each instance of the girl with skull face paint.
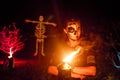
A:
(83, 63)
(73, 30)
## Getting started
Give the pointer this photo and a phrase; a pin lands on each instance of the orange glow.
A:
(67, 59)
(66, 66)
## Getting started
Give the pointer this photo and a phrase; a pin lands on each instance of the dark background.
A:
(97, 16)
(89, 10)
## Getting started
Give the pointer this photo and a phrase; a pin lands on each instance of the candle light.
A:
(68, 59)
(65, 68)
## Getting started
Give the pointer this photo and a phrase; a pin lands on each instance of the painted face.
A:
(73, 30)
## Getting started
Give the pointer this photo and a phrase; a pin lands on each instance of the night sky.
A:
(19, 10)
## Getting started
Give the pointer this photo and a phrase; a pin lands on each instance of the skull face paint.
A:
(73, 30)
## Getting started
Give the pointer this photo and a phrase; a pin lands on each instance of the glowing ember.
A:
(67, 59)
(10, 40)
(66, 66)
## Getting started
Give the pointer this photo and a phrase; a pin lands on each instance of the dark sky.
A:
(87, 9)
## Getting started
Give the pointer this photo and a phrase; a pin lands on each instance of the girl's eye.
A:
(71, 29)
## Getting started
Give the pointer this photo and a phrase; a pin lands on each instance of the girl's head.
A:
(72, 29)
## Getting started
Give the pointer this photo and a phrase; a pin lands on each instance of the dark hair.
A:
(72, 20)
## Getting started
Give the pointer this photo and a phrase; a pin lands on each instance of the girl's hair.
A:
(72, 20)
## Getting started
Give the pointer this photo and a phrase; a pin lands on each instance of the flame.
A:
(67, 59)
(66, 66)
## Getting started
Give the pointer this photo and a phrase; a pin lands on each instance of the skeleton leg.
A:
(36, 52)
(42, 48)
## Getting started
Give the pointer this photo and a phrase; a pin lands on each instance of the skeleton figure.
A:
(39, 34)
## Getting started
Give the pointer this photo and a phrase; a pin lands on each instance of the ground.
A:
(29, 69)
